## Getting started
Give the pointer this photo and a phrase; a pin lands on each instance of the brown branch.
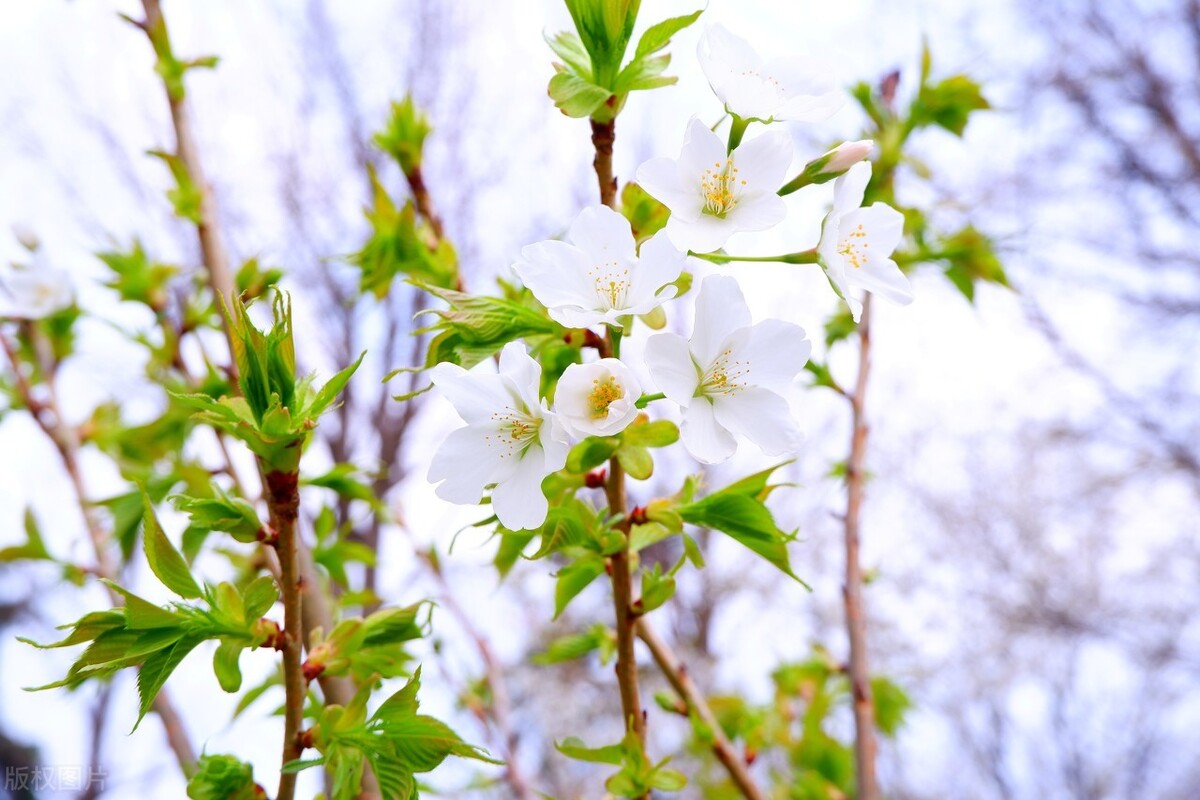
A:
(283, 503)
(681, 681)
(48, 416)
(603, 136)
(856, 627)
(316, 611)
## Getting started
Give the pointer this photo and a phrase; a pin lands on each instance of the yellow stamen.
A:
(604, 393)
(854, 247)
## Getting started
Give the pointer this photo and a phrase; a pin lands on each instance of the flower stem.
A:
(283, 504)
(603, 136)
(647, 399)
(802, 257)
(737, 130)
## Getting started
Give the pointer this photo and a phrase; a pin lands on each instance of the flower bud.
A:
(830, 165)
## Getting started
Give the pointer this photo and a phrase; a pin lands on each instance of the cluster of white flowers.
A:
(727, 378)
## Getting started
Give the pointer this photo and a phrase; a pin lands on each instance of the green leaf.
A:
(165, 561)
(512, 546)
(948, 104)
(644, 73)
(226, 666)
(259, 596)
(574, 578)
(591, 453)
(636, 461)
(572, 747)
(570, 49)
(34, 547)
(647, 216)
(328, 393)
(891, 705)
(141, 614)
(660, 433)
(658, 35)
(656, 588)
(576, 645)
(222, 777)
(642, 536)
(222, 513)
(157, 668)
(576, 96)
(605, 28)
(403, 138)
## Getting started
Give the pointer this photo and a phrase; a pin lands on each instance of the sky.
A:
(939, 359)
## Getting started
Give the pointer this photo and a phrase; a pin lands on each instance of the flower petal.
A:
(474, 395)
(809, 92)
(659, 263)
(763, 161)
(761, 416)
(603, 235)
(706, 440)
(661, 179)
(518, 501)
(720, 310)
(704, 234)
(465, 463)
(525, 373)
(775, 350)
(702, 149)
(671, 366)
(848, 190)
(758, 212)
(555, 272)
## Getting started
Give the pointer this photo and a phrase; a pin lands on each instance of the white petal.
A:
(603, 234)
(659, 263)
(671, 366)
(518, 501)
(760, 212)
(775, 350)
(720, 310)
(465, 463)
(555, 442)
(474, 395)
(884, 226)
(661, 179)
(525, 373)
(827, 247)
(707, 441)
(848, 190)
(884, 278)
(727, 50)
(809, 92)
(702, 149)
(763, 161)
(555, 272)
(761, 416)
(573, 399)
(704, 234)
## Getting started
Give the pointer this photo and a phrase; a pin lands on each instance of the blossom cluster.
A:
(729, 378)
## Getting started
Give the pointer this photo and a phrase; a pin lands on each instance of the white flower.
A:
(511, 439)
(791, 88)
(857, 243)
(38, 292)
(713, 195)
(597, 277)
(597, 399)
(726, 375)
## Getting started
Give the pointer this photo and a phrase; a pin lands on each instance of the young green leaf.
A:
(164, 560)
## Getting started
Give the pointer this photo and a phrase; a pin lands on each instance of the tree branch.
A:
(681, 681)
(856, 627)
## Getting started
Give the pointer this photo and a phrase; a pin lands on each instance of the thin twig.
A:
(679, 678)
(316, 610)
(48, 416)
(856, 628)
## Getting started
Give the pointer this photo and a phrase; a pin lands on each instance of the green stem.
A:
(802, 257)
(737, 130)
(647, 399)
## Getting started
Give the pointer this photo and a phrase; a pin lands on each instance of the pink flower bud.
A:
(846, 155)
